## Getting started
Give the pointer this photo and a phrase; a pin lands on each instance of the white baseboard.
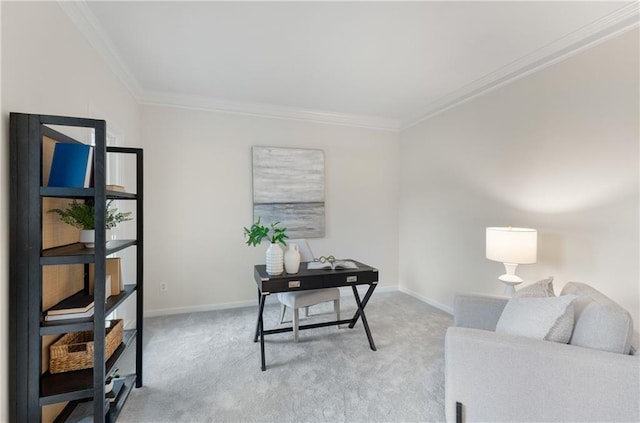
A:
(429, 301)
(199, 308)
(362, 289)
(271, 299)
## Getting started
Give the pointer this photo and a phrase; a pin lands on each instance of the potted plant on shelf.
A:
(274, 256)
(109, 381)
(82, 216)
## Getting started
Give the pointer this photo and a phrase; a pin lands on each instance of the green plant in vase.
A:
(257, 233)
(276, 235)
(109, 381)
(82, 216)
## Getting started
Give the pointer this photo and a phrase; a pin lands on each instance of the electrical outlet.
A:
(163, 287)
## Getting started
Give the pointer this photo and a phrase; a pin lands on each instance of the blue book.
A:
(71, 165)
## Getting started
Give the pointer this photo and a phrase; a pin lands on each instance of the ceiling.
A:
(375, 64)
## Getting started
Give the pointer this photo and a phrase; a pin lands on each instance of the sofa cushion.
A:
(600, 323)
(548, 318)
(542, 288)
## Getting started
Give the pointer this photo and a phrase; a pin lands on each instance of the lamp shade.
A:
(512, 245)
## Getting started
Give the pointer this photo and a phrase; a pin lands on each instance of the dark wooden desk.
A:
(314, 279)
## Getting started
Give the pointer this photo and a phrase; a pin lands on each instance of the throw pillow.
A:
(545, 318)
(542, 288)
(600, 323)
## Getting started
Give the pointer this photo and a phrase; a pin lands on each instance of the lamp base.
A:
(510, 279)
(509, 287)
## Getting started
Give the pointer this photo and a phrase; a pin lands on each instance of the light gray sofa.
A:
(506, 378)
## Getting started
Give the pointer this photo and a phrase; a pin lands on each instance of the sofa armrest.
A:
(479, 311)
(501, 377)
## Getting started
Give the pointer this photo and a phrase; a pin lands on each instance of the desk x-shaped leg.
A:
(260, 328)
(360, 312)
(260, 332)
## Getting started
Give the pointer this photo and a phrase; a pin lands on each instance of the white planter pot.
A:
(274, 259)
(88, 238)
(108, 387)
(292, 259)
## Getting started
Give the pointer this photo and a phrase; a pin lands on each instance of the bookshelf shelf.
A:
(78, 384)
(75, 325)
(77, 254)
(114, 408)
(47, 265)
(86, 193)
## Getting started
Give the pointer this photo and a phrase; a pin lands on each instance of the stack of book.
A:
(79, 305)
(112, 395)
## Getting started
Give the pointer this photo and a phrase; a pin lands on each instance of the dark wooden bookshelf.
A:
(31, 385)
(114, 407)
(78, 254)
(78, 384)
(75, 325)
(80, 193)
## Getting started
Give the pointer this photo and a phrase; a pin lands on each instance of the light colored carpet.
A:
(205, 367)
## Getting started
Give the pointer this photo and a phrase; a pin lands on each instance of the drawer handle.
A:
(353, 278)
(294, 284)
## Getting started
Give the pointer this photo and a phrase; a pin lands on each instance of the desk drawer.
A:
(349, 278)
(292, 284)
(313, 279)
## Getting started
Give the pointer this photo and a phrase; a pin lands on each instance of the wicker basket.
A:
(74, 351)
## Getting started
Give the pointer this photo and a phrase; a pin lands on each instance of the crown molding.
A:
(610, 26)
(267, 110)
(614, 24)
(87, 24)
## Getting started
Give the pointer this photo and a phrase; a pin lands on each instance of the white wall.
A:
(557, 151)
(198, 197)
(49, 68)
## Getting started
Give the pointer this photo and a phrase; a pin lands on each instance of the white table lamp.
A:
(512, 246)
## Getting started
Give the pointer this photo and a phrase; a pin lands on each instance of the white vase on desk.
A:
(274, 260)
(292, 259)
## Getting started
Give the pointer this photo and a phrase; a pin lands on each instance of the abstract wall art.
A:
(288, 187)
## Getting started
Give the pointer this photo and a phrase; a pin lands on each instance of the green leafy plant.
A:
(258, 232)
(82, 215)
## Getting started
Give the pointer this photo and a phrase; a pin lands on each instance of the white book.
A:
(336, 265)
(53, 317)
